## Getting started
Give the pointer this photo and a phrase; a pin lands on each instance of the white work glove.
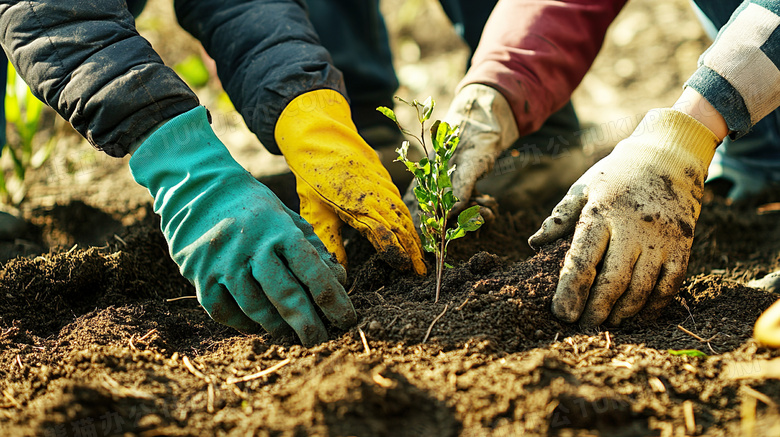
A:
(487, 128)
(635, 211)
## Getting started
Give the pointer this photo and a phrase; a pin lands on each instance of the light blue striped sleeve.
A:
(739, 73)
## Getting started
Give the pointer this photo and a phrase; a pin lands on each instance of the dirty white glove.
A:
(487, 128)
(635, 211)
(770, 282)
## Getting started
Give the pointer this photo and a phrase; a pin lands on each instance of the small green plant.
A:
(23, 111)
(433, 189)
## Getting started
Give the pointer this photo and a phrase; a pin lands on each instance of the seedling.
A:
(24, 112)
(433, 188)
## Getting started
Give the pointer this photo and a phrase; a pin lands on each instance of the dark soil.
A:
(91, 347)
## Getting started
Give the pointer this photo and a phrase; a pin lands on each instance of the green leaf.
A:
(193, 71)
(427, 109)
(33, 107)
(433, 130)
(433, 183)
(454, 234)
(470, 219)
(454, 132)
(422, 195)
(425, 165)
(444, 178)
(448, 265)
(453, 144)
(411, 166)
(433, 224)
(689, 353)
(429, 243)
(404, 101)
(23, 112)
(389, 113)
(428, 208)
(442, 131)
(422, 169)
(13, 112)
(449, 200)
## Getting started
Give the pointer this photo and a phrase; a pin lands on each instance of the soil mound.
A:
(92, 345)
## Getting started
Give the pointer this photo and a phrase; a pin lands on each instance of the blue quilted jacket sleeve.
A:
(86, 60)
(267, 53)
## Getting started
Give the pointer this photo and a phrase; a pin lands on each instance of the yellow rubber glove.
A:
(635, 212)
(340, 178)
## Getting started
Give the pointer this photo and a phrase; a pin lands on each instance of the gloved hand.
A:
(487, 128)
(770, 282)
(252, 260)
(339, 178)
(635, 211)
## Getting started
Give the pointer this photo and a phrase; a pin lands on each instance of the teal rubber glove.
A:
(251, 259)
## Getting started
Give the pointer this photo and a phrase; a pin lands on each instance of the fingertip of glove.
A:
(563, 310)
(312, 335)
(419, 267)
(591, 320)
(537, 240)
(615, 320)
(339, 270)
(417, 261)
(347, 320)
(401, 260)
(544, 234)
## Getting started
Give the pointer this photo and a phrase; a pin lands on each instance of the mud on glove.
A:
(341, 180)
(252, 261)
(635, 211)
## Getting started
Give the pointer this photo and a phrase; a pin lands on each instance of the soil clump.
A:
(91, 344)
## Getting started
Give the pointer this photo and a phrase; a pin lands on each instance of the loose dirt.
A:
(100, 335)
(92, 346)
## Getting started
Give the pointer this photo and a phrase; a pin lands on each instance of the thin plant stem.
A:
(442, 246)
(440, 264)
(421, 141)
(422, 135)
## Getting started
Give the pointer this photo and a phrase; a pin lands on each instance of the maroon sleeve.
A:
(536, 52)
